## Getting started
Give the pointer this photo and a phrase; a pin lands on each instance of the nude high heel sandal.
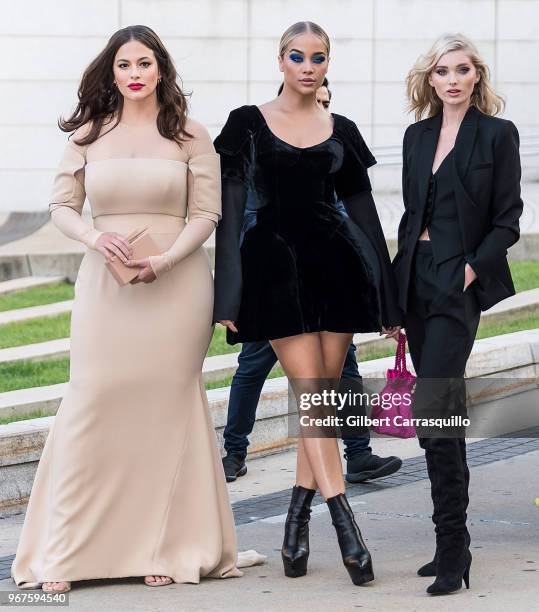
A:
(67, 586)
(157, 584)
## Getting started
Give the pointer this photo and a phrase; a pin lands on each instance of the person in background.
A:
(254, 365)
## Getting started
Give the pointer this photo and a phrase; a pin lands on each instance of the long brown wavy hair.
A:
(99, 99)
(423, 100)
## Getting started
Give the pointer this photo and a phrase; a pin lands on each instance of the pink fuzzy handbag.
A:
(399, 381)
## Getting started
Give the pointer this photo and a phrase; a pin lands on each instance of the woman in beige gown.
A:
(130, 482)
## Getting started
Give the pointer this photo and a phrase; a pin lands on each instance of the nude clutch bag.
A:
(143, 246)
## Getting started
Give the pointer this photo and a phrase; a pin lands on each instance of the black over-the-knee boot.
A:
(295, 550)
(449, 471)
(429, 569)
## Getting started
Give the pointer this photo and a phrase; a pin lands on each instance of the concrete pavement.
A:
(394, 515)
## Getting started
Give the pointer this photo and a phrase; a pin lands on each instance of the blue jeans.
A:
(254, 364)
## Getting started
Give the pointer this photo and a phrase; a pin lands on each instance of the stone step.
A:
(519, 304)
(35, 312)
(28, 282)
(215, 368)
(26, 401)
(41, 351)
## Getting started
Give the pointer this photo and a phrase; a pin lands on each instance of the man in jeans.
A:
(255, 363)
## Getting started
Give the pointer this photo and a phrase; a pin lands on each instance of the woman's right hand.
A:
(229, 324)
(392, 332)
(111, 244)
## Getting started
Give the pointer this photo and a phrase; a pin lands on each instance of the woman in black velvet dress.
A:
(303, 278)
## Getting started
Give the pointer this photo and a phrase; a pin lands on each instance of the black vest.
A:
(441, 215)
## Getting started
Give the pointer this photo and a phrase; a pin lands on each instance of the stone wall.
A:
(225, 51)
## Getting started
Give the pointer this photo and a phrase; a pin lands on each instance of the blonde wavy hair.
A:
(422, 98)
(300, 28)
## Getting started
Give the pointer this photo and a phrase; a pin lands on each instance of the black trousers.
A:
(441, 325)
(441, 318)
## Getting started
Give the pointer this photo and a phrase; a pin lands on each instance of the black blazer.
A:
(486, 178)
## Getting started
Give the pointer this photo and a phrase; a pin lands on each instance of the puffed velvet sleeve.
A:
(353, 187)
(352, 177)
(234, 147)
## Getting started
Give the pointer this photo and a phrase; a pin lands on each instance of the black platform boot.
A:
(295, 550)
(355, 554)
(450, 497)
(429, 569)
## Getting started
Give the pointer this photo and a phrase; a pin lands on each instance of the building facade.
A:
(226, 54)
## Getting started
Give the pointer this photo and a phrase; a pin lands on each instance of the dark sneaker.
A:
(369, 466)
(234, 466)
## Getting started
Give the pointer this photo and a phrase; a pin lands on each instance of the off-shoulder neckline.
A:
(261, 115)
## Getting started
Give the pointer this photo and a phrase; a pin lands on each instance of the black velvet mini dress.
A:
(303, 266)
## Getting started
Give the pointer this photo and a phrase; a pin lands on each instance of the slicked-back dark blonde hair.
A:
(300, 28)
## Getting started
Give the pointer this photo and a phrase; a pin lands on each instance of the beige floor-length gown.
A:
(130, 482)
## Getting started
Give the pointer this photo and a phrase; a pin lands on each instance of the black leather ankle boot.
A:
(355, 554)
(295, 550)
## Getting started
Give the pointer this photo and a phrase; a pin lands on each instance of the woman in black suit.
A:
(461, 190)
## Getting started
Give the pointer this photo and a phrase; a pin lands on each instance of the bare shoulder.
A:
(266, 105)
(270, 108)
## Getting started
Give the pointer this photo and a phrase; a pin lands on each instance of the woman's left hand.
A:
(146, 273)
(391, 332)
(469, 276)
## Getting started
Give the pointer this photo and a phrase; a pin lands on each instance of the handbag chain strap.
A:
(400, 355)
